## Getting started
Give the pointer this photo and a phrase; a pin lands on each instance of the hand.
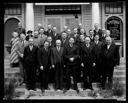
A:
(53, 66)
(94, 64)
(72, 59)
(21, 55)
(64, 66)
(41, 67)
(82, 64)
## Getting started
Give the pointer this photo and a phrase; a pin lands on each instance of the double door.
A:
(62, 20)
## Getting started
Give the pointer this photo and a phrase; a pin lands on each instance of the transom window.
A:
(13, 9)
(114, 7)
(62, 9)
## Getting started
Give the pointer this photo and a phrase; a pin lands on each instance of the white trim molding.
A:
(11, 17)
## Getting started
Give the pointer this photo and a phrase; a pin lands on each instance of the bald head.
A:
(87, 40)
(108, 32)
(58, 42)
(96, 26)
(108, 40)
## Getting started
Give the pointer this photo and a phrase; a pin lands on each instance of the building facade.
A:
(109, 15)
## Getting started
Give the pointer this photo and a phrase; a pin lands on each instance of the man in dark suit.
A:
(57, 62)
(71, 56)
(82, 32)
(97, 45)
(97, 31)
(75, 35)
(91, 35)
(55, 36)
(44, 65)
(87, 63)
(49, 32)
(64, 39)
(30, 64)
(110, 56)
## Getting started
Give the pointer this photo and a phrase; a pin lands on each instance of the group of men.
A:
(67, 58)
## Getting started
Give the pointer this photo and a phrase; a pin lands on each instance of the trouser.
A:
(44, 78)
(107, 72)
(97, 73)
(71, 71)
(59, 76)
(87, 76)
(21, 68)
(30, 77)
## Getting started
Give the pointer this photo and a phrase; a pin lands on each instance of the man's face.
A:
(82, 38)
(108, 41)
(91, 33)
(49, 27)
(69, 31)
(54, 29)
(75, 30)
(49, 39)
(31, 41)
(80, 25)
(19, 25)
(36, 33)
(41, 31)
(22, 36)
(14, 34)
(82, 30)
(71, 40)
(46, 44)
(58, 43)
(87, 40)
(97, 37)
(96, 26)
(64, 35)
(65, 28)
(107, 33)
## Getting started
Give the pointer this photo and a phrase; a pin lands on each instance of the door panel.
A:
(72, 22)
(54, 21)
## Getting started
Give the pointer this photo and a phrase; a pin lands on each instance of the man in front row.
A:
(57, 63)
(110, 59)
(71, 56)
(87, 63)
(44, 65)
(30, 64)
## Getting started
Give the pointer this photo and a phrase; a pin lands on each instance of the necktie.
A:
(58, 49)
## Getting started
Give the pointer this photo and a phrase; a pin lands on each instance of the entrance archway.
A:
(115, 25)
(9, 27)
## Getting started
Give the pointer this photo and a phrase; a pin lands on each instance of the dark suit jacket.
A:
(87, 54)
(97, 52)
(64, 43)
(54, 38)
(30, 57)
(110, 57)
(44, 57)
(57, 57)
(71, 52)
(99, 33)
(49, 33)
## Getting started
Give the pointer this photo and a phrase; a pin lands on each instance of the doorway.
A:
(62, 20)
(115, 25)
(9, 27)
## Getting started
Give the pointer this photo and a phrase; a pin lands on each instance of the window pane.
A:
(111, 8)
